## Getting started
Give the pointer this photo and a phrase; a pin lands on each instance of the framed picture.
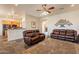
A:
(63, 22)
(33, 24)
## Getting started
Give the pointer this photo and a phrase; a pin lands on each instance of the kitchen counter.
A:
(14, 34)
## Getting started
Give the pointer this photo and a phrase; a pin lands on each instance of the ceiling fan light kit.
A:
(46, 10)
(45, 13)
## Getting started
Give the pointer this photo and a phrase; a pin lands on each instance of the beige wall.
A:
(72, 16)
(28, 20)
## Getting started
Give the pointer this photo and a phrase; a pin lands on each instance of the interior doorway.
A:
(45, 27)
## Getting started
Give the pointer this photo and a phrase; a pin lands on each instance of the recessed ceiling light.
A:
(72, 5)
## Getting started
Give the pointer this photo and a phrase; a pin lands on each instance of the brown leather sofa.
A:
(32, 37)
(65, 34)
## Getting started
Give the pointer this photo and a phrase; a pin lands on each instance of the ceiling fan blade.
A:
(51, 8)
(44, 8)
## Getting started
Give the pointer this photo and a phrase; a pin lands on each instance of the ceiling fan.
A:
(45, 8)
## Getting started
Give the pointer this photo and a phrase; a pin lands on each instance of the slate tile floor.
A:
(48, 46)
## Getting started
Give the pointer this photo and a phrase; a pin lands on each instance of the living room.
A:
(39, 28)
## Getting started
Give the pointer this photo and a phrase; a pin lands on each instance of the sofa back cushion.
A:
(56, 31)
(30, 32)
(62, 32)
(70, 32)
(30, 35)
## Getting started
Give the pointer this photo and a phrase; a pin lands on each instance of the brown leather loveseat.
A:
(65, 34)
(32, 37)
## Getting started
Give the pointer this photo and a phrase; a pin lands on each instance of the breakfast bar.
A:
(14, 34)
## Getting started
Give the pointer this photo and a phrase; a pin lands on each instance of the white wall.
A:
(1, 28)
(73, 17)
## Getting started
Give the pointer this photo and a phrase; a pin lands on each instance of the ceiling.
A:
(30, 9)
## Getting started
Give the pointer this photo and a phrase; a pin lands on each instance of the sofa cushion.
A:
(70, 37)
(61, 35)
(35, 38)
(55, 35)
(37, 33)
(70, 32)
